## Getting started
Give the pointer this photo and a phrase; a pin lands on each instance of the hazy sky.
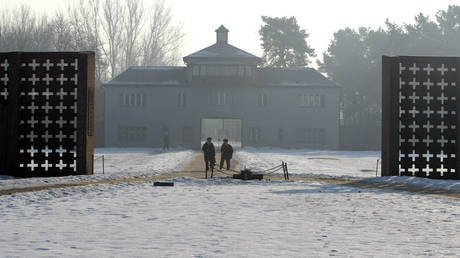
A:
(242, 17)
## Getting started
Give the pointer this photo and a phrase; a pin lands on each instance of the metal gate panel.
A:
(420, 116)
(49, 113)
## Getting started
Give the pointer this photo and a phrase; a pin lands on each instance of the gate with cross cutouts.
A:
(46, 113)
(420, 116)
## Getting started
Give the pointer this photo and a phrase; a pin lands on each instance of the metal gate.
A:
(220, 129)
(46, 116)
(420, 117)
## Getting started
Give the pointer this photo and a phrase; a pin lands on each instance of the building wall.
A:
(161, 110)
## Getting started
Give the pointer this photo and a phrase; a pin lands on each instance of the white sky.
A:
(320, 18)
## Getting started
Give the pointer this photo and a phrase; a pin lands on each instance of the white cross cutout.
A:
(414, 97)
(428, 69)
(428, 98)
(32, 108)
(442, 84)
(413, 140)
(32, 122)
(401, 68)
(414, 126)
(4, 93)
(48, 79)
(427, 169)
(442, 98)
(61, 151)
(33, 79)
(47, 93)
(47, 122)
(414, 83)
(74, 107)
(62, 79)
(414, 69)
(428, 126)
(5, 65)
(32, 151)
(46, 165)
(32, 136)
(442, 141)
(5, 79)
(62, 64)
(401, 126)
(48, 64)
(414, 112)
(443, 169)
(401, 83)
(74, 122)
(47, 136)
(61, 94)
(427, 140)
(442, 112)
(47, 107)
(428, 83)
(73, 165)
(442, 126)
(427, 155)
(61, 122)
(61, 107)
(413, 169)
(61, 136)
(75, 79)
(74, 94)
(401, 98)
(75, 64)
(442, 69)
(33, 93)
(413, 155)
(32, 165)
(441, 155)
(60, 165)
(47, 151)
(428, 112)
(74, 136)
(34, 65)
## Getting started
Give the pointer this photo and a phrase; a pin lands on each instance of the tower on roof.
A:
(222, 34)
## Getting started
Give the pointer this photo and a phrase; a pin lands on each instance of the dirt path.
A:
(195, 169)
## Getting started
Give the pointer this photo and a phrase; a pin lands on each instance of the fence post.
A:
(103, 165)
(287, 172)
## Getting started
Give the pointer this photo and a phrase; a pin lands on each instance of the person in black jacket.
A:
(226, 151)
(209, 155)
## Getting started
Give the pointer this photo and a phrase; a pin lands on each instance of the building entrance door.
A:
(219, 129)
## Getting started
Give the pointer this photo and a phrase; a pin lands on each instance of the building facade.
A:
(222, 93)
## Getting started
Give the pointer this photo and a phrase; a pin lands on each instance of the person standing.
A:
(166, 142)
(226, 151)
(209, 153)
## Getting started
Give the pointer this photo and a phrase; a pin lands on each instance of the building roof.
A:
(296, 76)
(221, 51)
(151, 75)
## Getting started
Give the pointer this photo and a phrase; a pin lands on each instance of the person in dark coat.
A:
(226, 151)
(209, 155)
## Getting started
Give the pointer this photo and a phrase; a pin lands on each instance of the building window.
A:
(248, 70)
(311, 100)
(196, 70)
(132, 99)
(182, 100)
(262, 100)
(221, 98)
(254, 135)
(132, 133)
(311, 136)
(202, 70)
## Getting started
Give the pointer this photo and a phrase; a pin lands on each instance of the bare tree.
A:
(112, 21)
(132, 26)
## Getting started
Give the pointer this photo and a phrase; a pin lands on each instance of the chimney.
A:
(222, 34)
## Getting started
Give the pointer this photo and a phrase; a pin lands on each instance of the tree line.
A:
(354, 59)
(122, 33)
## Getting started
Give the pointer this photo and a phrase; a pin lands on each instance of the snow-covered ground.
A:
(312, 162)
(223, 217)
(119, 162)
